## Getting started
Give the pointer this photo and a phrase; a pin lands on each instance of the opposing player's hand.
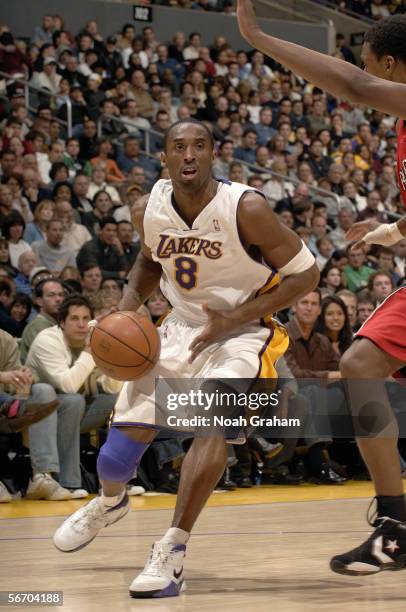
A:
(359, 230)
(218, 325)
(247, 20)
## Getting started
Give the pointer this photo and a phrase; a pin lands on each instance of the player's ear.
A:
(214, 155)
(163, 159)
(389, 64)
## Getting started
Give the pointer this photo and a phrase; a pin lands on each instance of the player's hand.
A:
(218, 325)
(247, 20)
(359, 230)
(334, 375)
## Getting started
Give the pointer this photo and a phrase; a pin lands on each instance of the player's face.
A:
(188, 156)
(372, 64)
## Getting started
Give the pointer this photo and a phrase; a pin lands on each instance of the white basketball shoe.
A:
(79, 529)
(162, 575)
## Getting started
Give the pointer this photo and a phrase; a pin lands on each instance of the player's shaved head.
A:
(171, 131)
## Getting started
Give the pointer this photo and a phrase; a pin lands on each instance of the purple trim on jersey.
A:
(262, 351)
(144, 425)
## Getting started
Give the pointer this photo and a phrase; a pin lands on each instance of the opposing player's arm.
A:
(334, 75)
(282, 249)
(145, 274)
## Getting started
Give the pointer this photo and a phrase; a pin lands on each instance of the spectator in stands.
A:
(106, 250)
(48, 78)
(13, 229)
(43, 34)
(277, 188)
(342, 51)
(132, 121)
(75, 234)
(88, 140)
(71, 158)
(318, 162)
(12, 60)
(26, 263)
(334, 323)
(81, 184)
(223, 160)
(351, 302)
(372, 209)
(98, 183)
(311, 356)
(60, 356)
(36, 230)
(7, 293)
(132, 156)
(91, 278)
(139, 93)
(5, 258)
(380, 285)
(356, 273)
(51, 253)
(123, 213)
(105, 155)
(32, 190)
(125, 233)
(103, 205)
(345, 218)
(331, 279)
(246, 152)
(366, 306)
(48, 294)
(20, 309)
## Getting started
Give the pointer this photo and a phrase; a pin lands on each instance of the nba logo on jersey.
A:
(216, 225)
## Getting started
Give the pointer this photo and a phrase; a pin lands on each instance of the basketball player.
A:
(380, 346)
(215, 248)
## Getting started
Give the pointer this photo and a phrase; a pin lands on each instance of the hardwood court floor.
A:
(244, 555)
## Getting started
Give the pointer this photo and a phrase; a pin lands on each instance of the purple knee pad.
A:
(119, 457)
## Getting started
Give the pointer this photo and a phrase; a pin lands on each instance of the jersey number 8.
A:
(186, 272)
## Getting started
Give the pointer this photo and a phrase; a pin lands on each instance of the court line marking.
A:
(199, 535)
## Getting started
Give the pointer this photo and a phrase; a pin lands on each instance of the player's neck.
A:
(190, 204)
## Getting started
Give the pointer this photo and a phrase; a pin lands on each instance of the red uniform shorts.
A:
(386, 327)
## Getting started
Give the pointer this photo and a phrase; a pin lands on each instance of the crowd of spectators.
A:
(372, 9)
(67, 238)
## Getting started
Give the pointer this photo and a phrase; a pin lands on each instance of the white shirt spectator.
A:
(17, 249)
(75, 237)
(52, 361)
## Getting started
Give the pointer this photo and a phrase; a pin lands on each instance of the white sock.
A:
(112, 501)
(175, 536)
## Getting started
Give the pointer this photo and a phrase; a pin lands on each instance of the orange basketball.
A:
(125, 345)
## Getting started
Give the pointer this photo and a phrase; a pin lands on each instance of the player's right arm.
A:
(145, 274)
(331, 74)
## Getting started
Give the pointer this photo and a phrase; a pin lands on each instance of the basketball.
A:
(125, 345)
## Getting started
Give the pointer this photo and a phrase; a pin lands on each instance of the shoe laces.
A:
(158, 561)
(92, 512)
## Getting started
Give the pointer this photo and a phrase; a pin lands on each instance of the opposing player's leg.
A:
(386, 548)
(202, 468)
(117, 461)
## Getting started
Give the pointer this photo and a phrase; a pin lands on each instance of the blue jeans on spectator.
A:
(55, 441)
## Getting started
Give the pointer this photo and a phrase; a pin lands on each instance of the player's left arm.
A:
(283, 250)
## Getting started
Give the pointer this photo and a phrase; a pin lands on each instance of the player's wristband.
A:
(386, 234)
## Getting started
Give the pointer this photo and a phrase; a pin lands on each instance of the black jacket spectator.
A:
(105, 251)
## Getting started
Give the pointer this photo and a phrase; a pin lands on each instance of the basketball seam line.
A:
(140, 328)
(126, 345)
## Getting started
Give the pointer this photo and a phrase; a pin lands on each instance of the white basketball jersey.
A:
(205, 263)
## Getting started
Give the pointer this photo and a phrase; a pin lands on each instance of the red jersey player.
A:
(380, 346)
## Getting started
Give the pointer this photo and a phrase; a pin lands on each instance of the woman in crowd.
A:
(105, 155)
(5, 262)
(20, 309)
(334, 323)
(36, 230)
(102, 205)
(331, 279)
(13, 230)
